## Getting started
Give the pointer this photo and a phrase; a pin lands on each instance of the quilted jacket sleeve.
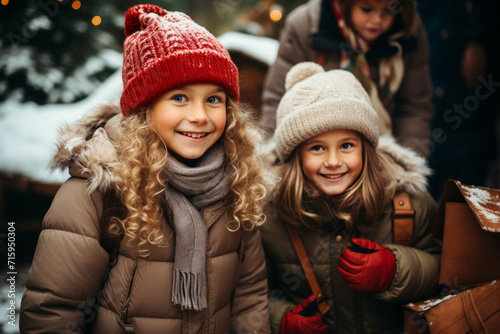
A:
(250, 313)
(291, 51)
(68, 265)
(417, 266)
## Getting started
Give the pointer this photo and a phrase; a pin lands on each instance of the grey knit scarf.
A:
(189, 190)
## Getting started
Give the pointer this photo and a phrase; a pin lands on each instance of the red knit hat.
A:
(165, 50)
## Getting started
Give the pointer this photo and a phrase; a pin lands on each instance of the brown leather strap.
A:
(474, 319)
(306, 266)
(403, 219)
(321, 59)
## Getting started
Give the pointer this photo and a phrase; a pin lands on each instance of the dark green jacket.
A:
(417, 266)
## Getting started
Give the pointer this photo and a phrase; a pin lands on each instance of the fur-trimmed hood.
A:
(411, 169)
(87, 147)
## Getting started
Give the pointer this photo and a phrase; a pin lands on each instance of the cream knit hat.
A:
(317, 101)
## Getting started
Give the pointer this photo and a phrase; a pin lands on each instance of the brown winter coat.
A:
(410, 109)
(69, 262)
(417, 266)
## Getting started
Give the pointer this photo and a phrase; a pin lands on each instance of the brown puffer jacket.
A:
(69, 263)
(303, 38)
(417, 265)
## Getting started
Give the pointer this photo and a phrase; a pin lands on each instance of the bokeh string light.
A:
(96, 20)
(275, 12)
(275, 15)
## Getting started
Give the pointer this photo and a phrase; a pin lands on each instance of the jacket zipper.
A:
(124, 308)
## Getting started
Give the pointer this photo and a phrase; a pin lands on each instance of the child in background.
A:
(382, 42)
(179, 156)
(338, 179)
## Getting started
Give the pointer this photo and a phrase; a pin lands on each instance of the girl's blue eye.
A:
(346, 146)
(214, 99)
(316, 148)
(366, 9)
(179, 98)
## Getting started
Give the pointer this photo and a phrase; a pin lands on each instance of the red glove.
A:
(304, 318)
(367, 266)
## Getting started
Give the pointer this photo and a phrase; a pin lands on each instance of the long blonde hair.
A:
(143, 156)
(362, 202)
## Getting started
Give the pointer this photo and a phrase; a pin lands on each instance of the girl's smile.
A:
(333, 177)
(333, 160)
(194, 135)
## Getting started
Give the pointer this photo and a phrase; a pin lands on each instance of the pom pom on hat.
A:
(316, 102)
(300, 72)
(132, 23)
(166, 50)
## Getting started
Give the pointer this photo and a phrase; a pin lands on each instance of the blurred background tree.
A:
(59, 51)
(51, 52)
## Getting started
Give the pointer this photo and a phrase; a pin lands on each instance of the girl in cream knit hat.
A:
(337, 184)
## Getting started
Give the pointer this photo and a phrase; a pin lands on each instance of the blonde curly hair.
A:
(143, 155)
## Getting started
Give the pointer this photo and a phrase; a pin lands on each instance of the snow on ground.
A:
(28, 132)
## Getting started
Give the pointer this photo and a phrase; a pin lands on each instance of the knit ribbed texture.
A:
(190, 189)
(166, 50)
(317, 101)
